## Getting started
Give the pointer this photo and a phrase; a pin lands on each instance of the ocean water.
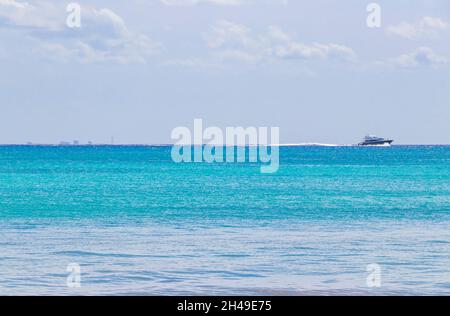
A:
(137, 223)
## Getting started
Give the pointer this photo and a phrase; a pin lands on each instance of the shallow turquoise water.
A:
(137, 223)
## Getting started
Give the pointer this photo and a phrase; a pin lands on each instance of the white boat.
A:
(375, 141)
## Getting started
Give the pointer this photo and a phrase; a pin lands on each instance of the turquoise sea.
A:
(137, 223)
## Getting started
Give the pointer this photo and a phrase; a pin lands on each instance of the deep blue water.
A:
(138, 223)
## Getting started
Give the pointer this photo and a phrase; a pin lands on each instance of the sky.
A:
(136, 69)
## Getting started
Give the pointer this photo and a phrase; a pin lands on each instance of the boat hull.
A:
(376, 143)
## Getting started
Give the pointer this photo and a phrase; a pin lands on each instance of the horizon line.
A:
(194, 145)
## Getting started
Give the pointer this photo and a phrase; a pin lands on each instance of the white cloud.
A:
(229, 33)
(421, 57)
(15, 13)
(103, 35)
(427, 27)
(234, 41)
(196, 2)
(190, 3)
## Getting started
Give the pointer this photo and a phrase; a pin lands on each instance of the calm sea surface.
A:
(137, 223)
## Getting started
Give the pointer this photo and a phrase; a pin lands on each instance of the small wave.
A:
(381, 145)
(309, 145)
(97, 254)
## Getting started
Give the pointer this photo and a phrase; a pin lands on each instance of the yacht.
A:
(375, 141)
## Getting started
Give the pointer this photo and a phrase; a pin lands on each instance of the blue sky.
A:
(137, 69)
